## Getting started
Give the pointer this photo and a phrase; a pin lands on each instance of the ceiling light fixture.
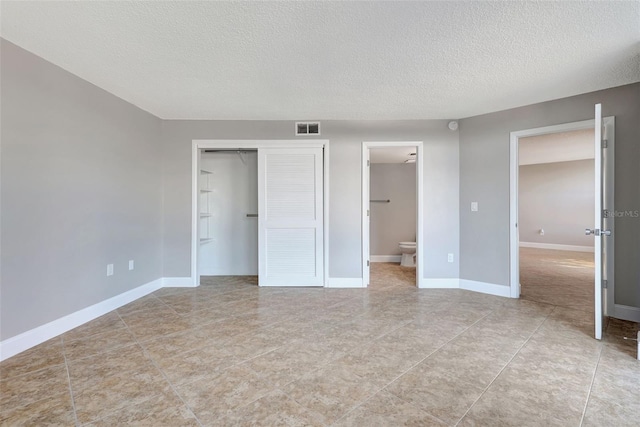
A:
(453, 125)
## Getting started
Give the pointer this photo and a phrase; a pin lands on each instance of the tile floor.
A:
(230, 353)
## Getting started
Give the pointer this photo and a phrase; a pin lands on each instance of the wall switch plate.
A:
(109, 269)
(474, 206)
(130, 264)
(450, 258)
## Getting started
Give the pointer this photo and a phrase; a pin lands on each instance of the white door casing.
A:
(290, 217)
(420, 244)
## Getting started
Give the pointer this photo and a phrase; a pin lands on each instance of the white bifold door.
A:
(290, 217)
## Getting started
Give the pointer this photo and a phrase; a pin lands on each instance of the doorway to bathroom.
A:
(259, 208)
(392, 213)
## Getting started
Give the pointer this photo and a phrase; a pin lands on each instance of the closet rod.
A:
(380, 201)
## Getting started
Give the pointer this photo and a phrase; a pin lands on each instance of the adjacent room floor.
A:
(230, 353)
(562, 278)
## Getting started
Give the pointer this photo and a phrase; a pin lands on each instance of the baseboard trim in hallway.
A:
(31, 338)
(556, 246)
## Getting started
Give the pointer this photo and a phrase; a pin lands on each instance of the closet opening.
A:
(228, 217)
(259, 211)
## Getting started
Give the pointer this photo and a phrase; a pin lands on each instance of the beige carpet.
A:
(561, 278)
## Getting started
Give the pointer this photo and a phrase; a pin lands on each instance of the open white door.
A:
(599, 231)
(366, 219)
(290, 217)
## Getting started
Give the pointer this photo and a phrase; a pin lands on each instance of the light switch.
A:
(109, 269)
(474, 206)
(130, 264)
(450, 258)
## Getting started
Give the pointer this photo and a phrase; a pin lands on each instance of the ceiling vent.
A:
(307, 128)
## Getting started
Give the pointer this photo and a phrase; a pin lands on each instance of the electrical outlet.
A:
(130, 264)
(109, 269)
(450, 258)
(474, 206)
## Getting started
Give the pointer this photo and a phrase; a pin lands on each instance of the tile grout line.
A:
(66, 365)
(593, 378)
(416, 364)
(506, 364)
(162, 373)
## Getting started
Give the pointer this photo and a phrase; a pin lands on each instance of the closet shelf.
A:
(205, 191)
(206, 239)
(205, 172)
(205, 214)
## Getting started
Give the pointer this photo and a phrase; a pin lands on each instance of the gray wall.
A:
(392, 222)
(559, 198)
(81, 186)
(345, 210)
(484, 177)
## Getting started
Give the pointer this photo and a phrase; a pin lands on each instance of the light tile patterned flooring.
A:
(230, 353)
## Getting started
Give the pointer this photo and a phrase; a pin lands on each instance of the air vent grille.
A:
(307, 128)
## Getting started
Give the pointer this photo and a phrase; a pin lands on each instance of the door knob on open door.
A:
(606, 232)
(588, 231)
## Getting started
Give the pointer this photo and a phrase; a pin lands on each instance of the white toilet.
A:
(408, 250)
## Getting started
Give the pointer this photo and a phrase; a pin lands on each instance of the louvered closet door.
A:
(290, 222)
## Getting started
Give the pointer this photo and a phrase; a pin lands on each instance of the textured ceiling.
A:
(333, 60)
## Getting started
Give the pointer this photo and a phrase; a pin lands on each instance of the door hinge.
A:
(367, 263)
(605, 284)
(605, 143)
(367, 212)
(368, 163)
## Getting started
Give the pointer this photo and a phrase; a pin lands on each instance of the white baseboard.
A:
(178, 282)
(385, 258)
(557, 247)
(344, 282)
(26, 340)
(626, 312)
(440, 283)
(485, 288)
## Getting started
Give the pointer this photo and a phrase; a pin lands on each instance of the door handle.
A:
(606, 232)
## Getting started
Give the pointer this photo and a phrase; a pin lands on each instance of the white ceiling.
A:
(556, 147)
(333, 60)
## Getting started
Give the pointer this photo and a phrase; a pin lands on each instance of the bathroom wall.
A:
(233, 181)
(558, 197)
(395, 221)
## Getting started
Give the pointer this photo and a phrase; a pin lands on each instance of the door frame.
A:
(419, 145)
(608, 189)
(197, 145)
